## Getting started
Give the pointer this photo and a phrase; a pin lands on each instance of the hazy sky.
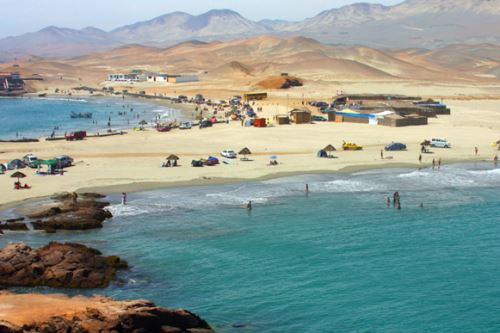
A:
(20, 16)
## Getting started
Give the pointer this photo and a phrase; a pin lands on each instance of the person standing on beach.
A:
(420, 158)
(381, 154)
(439, 163)
(433, 163)
(124, 198)
(495, 160)
(476, 150)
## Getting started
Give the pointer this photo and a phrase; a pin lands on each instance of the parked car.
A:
(440, 143)
(394, 146)
(351, 146)
(30, 160)
(228, 153)
(318, 118)
(206, 123)
(186, 125)
(64, 161)
(199, 99)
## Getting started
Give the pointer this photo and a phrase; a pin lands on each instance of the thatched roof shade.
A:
(245, 151)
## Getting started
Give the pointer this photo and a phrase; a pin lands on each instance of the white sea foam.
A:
(265, 192)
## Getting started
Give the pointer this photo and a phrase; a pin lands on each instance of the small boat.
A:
(80, 115)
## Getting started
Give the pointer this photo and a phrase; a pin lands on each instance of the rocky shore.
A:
(26, 313)
(65, 213)
(57, 265)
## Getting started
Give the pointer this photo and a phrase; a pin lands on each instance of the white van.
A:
(440, 143)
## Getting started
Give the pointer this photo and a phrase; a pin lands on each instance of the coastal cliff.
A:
(24, 313)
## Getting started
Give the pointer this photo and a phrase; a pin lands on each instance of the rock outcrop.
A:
(83, 214)
(93, 315)
(59, 265)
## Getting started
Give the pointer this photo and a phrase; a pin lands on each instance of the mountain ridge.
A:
(412, 23)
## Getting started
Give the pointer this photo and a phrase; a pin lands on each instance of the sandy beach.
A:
(132, 162)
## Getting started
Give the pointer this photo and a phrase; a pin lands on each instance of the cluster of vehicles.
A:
(32, 161)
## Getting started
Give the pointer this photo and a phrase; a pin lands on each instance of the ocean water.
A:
(37, 117)
(336, 260)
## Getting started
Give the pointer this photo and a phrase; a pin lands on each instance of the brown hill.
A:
(280, 82)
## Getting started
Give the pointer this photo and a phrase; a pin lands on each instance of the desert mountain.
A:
(410, 24)
(181, 26)
(270, 55)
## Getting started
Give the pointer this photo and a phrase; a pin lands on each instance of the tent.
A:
(322, 153)
(51, 164)
(15, 164)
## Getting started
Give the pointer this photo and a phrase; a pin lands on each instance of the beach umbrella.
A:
(245, 151)
(329, 148)
(18, 175)
(173, 158)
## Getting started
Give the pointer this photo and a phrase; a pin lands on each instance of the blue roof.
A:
(356, 115)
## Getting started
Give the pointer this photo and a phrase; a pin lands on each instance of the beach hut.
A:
(301, 116)
(245, 151)
(282, 119)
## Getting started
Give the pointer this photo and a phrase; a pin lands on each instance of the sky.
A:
(21, 16)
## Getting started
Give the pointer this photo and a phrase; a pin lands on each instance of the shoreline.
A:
(185, 109)
(138, 187)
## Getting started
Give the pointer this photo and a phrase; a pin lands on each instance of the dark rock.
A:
(65, 265)
(86, 213)
(14, 226)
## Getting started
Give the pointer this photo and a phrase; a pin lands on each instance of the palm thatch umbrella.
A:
(18, 175)
(245, 151)
(173, 158)
(329, 148)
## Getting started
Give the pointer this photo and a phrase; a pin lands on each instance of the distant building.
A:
(11, 83)
(182, 78)
(121, 77)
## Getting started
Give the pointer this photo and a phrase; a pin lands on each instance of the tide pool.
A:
(37, 117)
(336, 260)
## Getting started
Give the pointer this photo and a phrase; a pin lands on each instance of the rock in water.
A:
(59, 265)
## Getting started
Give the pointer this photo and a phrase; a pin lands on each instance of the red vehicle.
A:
(161, 128)
(79, 135)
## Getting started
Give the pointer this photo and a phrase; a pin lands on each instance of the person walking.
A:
(439, 163)
(433, 163)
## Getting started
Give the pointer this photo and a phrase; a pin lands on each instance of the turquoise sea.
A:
(336, 260)
(37, 117)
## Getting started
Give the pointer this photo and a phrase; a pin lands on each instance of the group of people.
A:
(396, 201)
